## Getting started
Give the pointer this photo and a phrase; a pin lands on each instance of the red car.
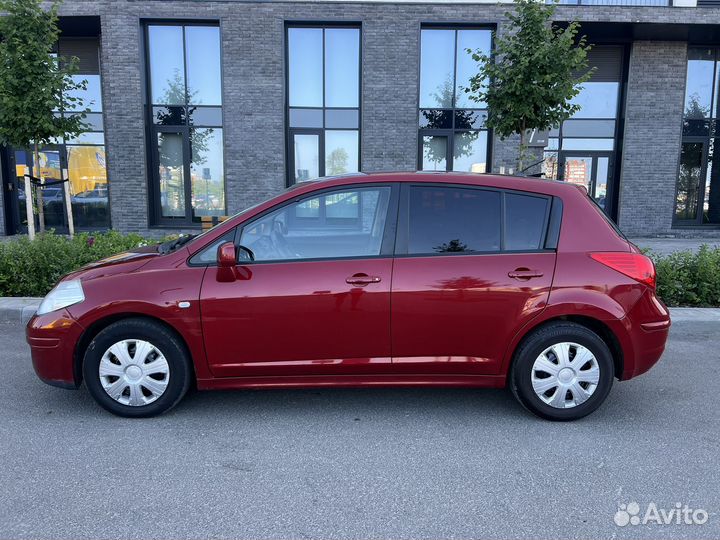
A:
(435, 279)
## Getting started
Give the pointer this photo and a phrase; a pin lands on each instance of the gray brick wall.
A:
(653, 129)
(253, 86)
(254, 101)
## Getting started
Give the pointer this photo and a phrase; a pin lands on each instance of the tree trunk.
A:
(39, 198)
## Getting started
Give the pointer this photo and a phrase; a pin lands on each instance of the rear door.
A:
(472, 266)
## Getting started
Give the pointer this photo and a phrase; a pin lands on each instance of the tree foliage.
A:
(35, 83)
(535, 71)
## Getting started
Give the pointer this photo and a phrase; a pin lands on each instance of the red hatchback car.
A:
(436, 279)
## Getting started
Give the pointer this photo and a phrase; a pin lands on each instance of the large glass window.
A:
(186, 122)
(452, 134)
(81, 160)
(323, 99)
(697, 200)
(345, 223)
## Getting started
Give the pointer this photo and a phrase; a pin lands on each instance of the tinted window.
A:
(524, 221)
(453, 220)
(347, 223)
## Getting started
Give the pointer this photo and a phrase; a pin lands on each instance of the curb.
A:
(21, 309)
(18, 309)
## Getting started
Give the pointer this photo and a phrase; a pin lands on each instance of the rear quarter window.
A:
(525, 221)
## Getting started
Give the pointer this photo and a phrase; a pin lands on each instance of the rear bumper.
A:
(52, 338)
(648, 326)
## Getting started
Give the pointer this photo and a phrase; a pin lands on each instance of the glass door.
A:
(590, 170)
(53, 196)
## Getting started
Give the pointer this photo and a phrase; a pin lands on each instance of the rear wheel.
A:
(562, 371)
(137, 368)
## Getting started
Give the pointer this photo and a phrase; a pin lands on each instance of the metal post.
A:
(68, 203)
(29, 206)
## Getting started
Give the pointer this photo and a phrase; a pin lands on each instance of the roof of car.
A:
(521, 183)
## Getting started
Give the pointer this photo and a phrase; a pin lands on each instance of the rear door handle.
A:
(362, 279)
(524, 274)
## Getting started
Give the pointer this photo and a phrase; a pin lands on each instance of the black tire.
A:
(171, 347)
(537, 342)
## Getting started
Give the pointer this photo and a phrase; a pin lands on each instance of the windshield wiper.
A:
(172, 245)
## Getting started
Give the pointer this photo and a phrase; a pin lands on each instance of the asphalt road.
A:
(379, 463)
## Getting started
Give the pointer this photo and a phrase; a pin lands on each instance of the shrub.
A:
(689, 279)
(32, 268)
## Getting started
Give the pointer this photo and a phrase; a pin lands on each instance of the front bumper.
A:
(52, 338)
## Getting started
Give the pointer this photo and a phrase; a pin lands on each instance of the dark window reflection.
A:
(453, 220)
(169, 116)
(435, 119)
(470, 119)
(686, 203)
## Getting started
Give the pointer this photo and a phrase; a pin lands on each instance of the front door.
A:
(591, 170)
(316, 299)
(464, 283)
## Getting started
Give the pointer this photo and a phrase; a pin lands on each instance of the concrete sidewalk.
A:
(666, 246)
(21, 309)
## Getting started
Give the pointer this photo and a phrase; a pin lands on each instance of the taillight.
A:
(634, 265)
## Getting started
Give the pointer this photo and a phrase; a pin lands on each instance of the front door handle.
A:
(524, 274)
(362, 279)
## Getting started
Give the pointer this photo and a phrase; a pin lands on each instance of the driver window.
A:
(348, 223)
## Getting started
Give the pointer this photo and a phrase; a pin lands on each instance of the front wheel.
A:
(137, 368)
(562, 371)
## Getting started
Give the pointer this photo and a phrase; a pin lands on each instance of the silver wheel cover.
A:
(134, 372)
(565, 375)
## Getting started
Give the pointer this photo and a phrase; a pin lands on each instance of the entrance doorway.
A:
(51, 166)
(592, 170)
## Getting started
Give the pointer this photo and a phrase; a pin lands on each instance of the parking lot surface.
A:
(362, 463)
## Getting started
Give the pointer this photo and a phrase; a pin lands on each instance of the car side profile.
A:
(385, 279)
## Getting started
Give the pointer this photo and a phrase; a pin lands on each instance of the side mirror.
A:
(226, 255)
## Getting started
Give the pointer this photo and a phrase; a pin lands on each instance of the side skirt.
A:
(352, 381)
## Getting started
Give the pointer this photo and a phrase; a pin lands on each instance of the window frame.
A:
(387, 245)
(451, 131)
(290, 132)
(155, 217)
(548, 240)
(707, 140)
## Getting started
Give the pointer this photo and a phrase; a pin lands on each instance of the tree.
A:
(36, 85)
(530, 81)
(337, 162)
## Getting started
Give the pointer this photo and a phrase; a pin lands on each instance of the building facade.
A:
(202, 108)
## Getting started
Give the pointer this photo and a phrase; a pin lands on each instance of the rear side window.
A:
(453, 220)
(525, 218)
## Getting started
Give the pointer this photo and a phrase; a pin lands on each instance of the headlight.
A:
(65, 294)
